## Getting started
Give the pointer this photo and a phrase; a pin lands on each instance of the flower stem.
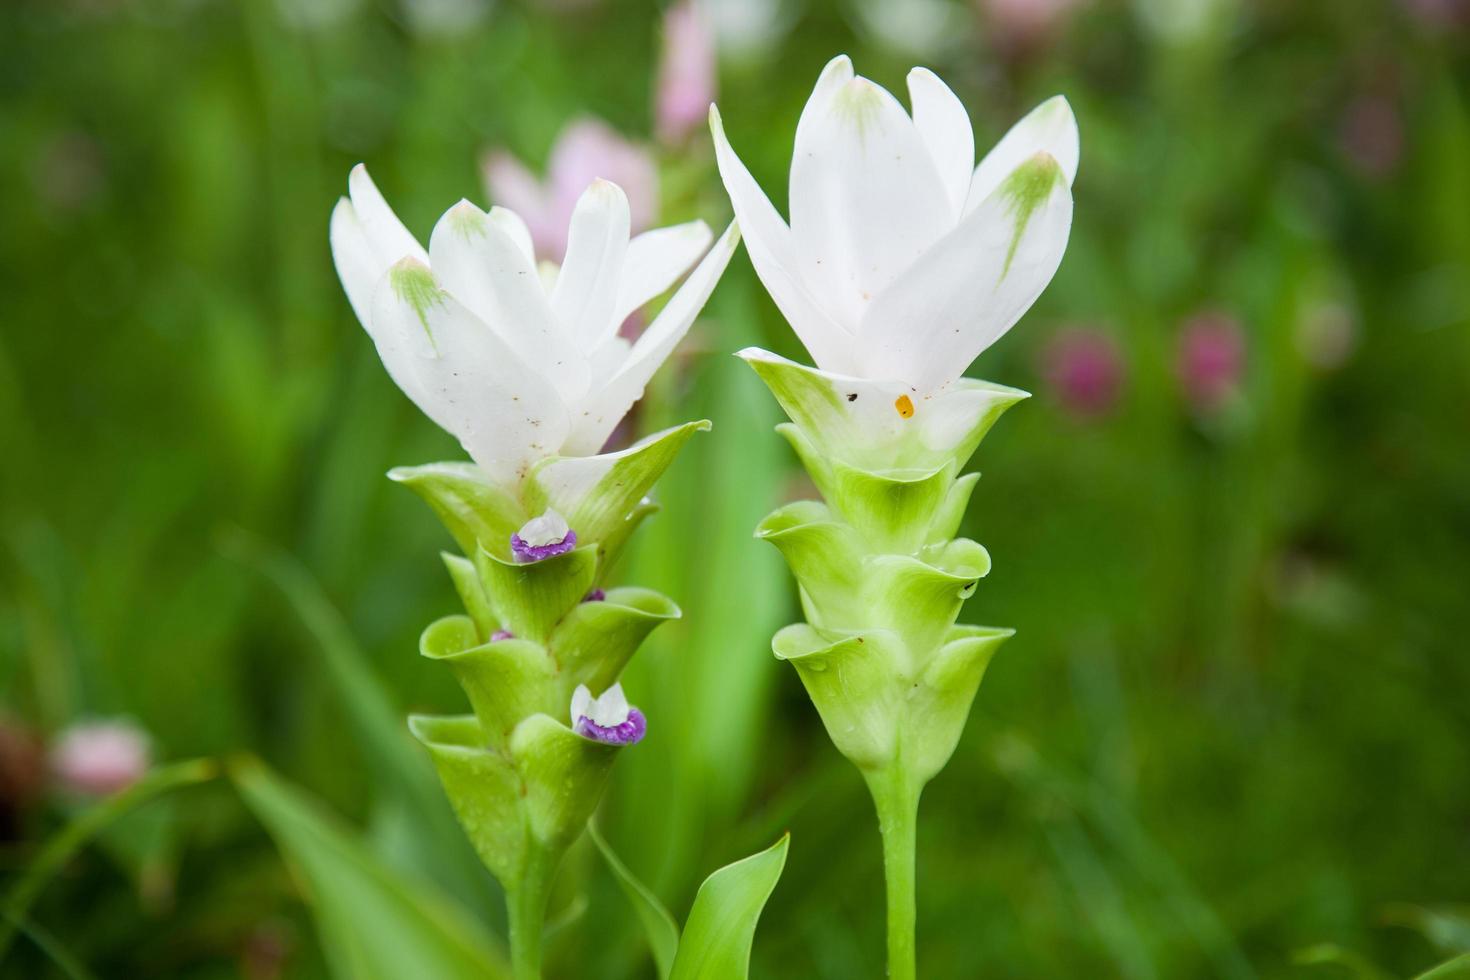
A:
(897, 800)
(526, 911)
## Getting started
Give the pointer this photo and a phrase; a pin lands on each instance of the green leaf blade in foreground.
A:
(375, 924)
(659, 926)
(721, 927)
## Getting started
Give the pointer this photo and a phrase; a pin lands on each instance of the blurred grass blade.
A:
(70, 838)
(658, 925)
(69, 966)
(409, 789)
(1456, 969)
(374, 923)
(721, 928)
(1358, 966)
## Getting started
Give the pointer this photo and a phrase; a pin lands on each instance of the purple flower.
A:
(1084, 369)
(608, 719)
(1210, 360)
(542, 537)
(499, 635)
(586, 150)
(98, 758)
(596, 595)
(686, 73)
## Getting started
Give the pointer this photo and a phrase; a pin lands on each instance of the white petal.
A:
(605, 361)
(1049, 128)
(655, 260)
(611, 709)
(866, 200)
(944, 126)
(586, 291)
(973, 286)
(604, 409)
(389, 239)
(472, 383)
(358, 266)
(773, 253)
(581, 703)
(515, 226)
(483, 267)
(549, 528)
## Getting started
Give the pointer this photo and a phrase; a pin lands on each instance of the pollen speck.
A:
(905, 406)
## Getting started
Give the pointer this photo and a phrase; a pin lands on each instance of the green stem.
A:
(897, 800)
(526, 911)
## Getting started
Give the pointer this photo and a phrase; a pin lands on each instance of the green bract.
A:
(521, 781)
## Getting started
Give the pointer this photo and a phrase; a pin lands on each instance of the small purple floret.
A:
(499, 635)
(596, 595)
(627, 733)
(526, 553)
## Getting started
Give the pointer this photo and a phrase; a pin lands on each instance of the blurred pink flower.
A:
(1438, 13)
(1372, 134)
(97, 758)
(686, 73)
(1210, 360)
(1084, 369)
(586, 150)
(1023, 23)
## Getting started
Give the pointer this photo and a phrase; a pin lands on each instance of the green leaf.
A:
(532, 598)
(854, 684)
(1456, 969)
(473, 509)
(717, 939)
(562, 777)
(596, 640)
(60, 847)
(472, 594)
(659, 926)
(374, 923)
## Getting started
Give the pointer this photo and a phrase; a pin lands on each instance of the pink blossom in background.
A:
(97, 758)
(1023, 23)
(1372, 134)
(1210, 360)
(1084, 370)
(687, 73)
(586, 150)
(1438, 13)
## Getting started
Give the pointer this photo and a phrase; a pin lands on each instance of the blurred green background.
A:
(1232, 529)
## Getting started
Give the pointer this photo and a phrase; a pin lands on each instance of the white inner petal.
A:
(549, 528)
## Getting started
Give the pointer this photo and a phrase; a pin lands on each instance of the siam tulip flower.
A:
(98, 758)
(1084, 369)
(587, 150)
(608, 718)
(904, 260)
(543, 537)
(686, 73)
(517, 368)
(1210, 359)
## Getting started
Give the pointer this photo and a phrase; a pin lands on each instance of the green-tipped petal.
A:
(891, 510)
(597, 494)
(505, 680)
(853, 685)
(532, 598)
(919, 598)
(825, 556)
(482, 786)
(946, 520)
(470, 505)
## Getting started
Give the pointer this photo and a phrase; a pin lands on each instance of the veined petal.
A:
(1049, 128)
(515, 226)
(772, 252)
(866, 199)
(944, 126)
(655, 260)
(604, 409)
(474, 385)
(975, 284)
(586, 291)
(480, 263)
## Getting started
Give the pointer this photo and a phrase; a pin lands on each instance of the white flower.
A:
(517, 368)
(607, 711)
(903, 259)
